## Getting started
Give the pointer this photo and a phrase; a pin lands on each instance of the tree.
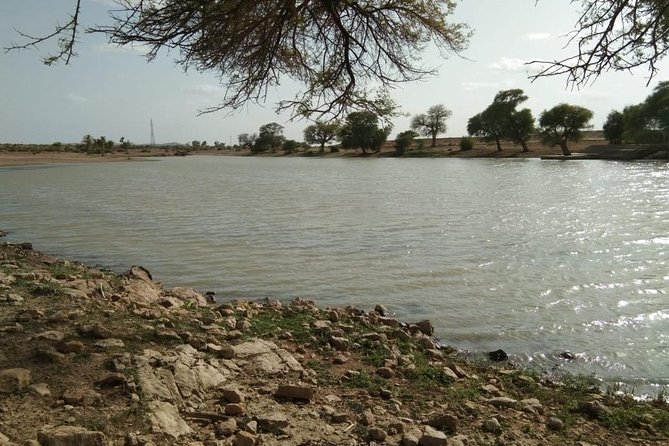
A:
(432, 123)
(361, 130)
(321, 133)
(613, 35)
(403, 141)
(656, 108)
(339, 51)
(269, 136)
(563, 123)
(518, 124)
(489, 125)
(614, 127)
(247, 141)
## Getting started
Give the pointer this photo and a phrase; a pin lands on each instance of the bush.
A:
(290, 146)
(466, 143)
(403, 142)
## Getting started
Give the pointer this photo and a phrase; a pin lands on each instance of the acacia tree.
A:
(518, 124)
(432, 123)
(563, 123)
(489, 125)
(614, 127)
(361, 130)
(321, 133)
(339, 51)
(269, 136)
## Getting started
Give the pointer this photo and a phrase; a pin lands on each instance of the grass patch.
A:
(297, 322)
(48, 289)
(67, 269)
(365, 381)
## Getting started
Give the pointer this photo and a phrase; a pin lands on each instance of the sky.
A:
(113, 92)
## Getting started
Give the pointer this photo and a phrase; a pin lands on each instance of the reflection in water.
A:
(532, 257)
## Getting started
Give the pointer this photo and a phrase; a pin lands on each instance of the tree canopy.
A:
(345, 53)
(361, 130)
(563, 123)
(432, 123)
(321, 133)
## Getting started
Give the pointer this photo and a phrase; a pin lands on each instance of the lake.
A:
(534, 257)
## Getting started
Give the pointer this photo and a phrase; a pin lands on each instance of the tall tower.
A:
(153, 136)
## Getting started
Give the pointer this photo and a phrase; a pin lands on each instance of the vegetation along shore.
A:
(92, 357)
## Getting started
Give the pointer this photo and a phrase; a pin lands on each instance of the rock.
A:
(381, 309)
(385, 372)
(555, 424)
(48, 354)
(141, 273)
(432, 437)
(113, 380)
(165, 419)
(377, 434)
(41, 389)
(70, 347)
(188, 295)
(95, 331)
(70, 436)
(427, 343)
(234, 409)
(252, 426)
(272, 422)
(367, 418)
(425, 327)
(245, 439)
(226, 428)
(503, 402)
(233, 396)
(498, 355)
(532, 405)
(82, 397)
(295, 392)
(410, 439)
(450, 373)
(457, 370)
(110, 343)
(458, 440)
(223, 351)
(266, 356)
(594, 409)
(492, 425)
(14, 298)
(340, 359)
(14, 380)
(338, 342)
(446, 422)
(569, 356)
(321, 325)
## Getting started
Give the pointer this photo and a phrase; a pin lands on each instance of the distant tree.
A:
(204, 143)
(656, 108)
(87, 142)
(432, 123)
(361, 130)
(403, 141)
(489, 125)
(195, 144)
(518, 124)
(246, 140)
(614, 127)
(322, 133)
(563, 123)
(290, 146)
(269, 136)
(125, 144)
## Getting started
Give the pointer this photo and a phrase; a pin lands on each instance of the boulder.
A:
(294, 392)
(245, 439)
(272, 422)
(446, 422)
(432, 437)
(498, 355)
(165, 419)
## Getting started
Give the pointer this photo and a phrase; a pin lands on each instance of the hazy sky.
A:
(113, 91)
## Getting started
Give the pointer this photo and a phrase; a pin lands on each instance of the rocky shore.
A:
(92, 358)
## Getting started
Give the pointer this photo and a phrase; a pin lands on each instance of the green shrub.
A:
(466, 143)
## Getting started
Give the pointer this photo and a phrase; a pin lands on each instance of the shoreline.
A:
(119, 360)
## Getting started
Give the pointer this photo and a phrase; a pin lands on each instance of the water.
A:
(531, 256)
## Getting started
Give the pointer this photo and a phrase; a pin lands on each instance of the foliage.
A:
(403, 141)
(321, 133)
(489, 125)
(339, 52)
(361, 130)
(613, 35)
(269, 136)
(563, 123)
(246, 140)
(432, 123)
(290, 146)
(614, 127)
(466, 143)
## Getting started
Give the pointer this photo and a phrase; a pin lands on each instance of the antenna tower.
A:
(153, 136)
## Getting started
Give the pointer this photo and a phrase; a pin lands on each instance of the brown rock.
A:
(425, 327)
(51, 335)
(381, 309)
(446, 422)
(432, 437)
(113, 380)
(273, 422)
(385, 372)
(340, 359)
(233, 396)
(367, 418)
(82, 397)
(377, 434)
(245, 439)
(70, 436)
(555, 424)
(234, 409)
(41, 389)
(295, 392)
(338, 343)
(70, 347)
(226, 428)
(14, 380)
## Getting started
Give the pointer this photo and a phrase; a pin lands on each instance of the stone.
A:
(41, 389)
(233, 396)
(381, 309)
(97, 331)
(410, 439)
(252, 426)
(446, 422)
(14, 380)
(82, 397)
(555, 424)
(594, 409)
(51, 335)
(266, 356)
(492, 425)
(70, 436)
(295, 392)
(503, 402)
(385, 372)
(226, 428)
(532, 405)
(377, 434)
(457, 370)
(432, 437)
(234, 409)
(70, 347)
(450, 373)
(340, 359)
(458, 440)
(367, 418)
(113, 380)
(272, 422)
(245, 439)
(498, 355)
(14, 298)
(165, 419)
(338, 342)
(110, 343)
(48, 354)
(425, 327)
